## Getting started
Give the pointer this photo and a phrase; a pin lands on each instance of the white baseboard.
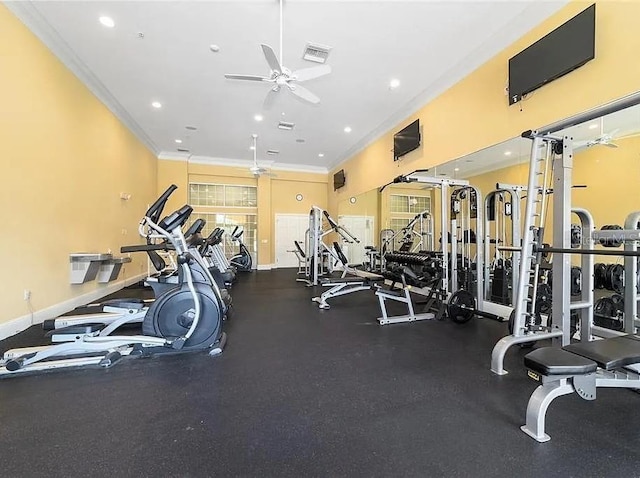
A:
(19, 324)
(266, 267)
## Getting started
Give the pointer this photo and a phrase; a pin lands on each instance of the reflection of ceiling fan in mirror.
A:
(280, 76)
(604, 139)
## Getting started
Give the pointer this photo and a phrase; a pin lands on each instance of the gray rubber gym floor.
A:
(303, 392)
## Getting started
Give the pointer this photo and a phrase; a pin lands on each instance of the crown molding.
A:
(242, 163)
(29, 15)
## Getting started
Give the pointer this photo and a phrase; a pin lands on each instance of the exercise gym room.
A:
(286, 238)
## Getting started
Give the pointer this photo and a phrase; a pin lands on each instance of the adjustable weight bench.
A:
(580, 368)
(359, 280)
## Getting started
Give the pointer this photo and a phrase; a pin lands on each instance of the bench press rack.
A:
(404, 295)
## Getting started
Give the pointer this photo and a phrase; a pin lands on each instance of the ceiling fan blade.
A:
(303, 93)
(246, 77)
(311, 73)
(270, 98)
(271, 58)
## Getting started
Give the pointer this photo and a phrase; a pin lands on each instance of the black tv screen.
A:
(566, 48)
(406, 140)
(338, 179)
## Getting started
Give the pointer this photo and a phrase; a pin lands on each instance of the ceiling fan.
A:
(280, 76)
(255, 169)
(605, 139)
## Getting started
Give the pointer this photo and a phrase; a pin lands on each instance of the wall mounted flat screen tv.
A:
(566, 48)
(338, 179)
(406, 140)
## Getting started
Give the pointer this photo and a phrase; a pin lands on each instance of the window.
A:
(411, 205)
(222, 195)
(403, 208)
(248, 222)
(209, 202)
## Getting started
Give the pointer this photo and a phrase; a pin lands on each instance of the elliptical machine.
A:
(185, 318)
(242, 260)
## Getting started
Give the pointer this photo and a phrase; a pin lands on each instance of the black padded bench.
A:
(579, 368)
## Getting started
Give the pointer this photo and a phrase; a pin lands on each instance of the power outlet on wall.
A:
(27, 294)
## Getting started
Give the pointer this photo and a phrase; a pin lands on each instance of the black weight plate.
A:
(576, 281)
(606, 314)
(543, 301)
(618, 301)
(599, 275)
(617, 278)
(461, 307)
(607, 276)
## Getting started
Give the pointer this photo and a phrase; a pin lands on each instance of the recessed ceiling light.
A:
(107, 21)
(456, 169)
(507, 153)
(321, 155)
(394, 83)
(178, 141)
(252, 148)
(156, 104)
(214, 48)
(593, 126)
(258, 117)
(347, 129)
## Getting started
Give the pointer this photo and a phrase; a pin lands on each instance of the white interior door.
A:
(363, 228)
(289, 228)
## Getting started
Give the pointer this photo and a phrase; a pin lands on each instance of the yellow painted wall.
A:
(474, 113)
(65, 160)
(276, 193)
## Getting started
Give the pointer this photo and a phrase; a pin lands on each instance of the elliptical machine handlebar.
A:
(155, 210)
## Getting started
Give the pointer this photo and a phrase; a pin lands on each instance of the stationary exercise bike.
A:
(185, 318)
(242, 260)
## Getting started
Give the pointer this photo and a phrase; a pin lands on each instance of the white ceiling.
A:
(427, 45)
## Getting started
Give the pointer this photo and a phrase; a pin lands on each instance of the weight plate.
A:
(599, 275)
(617, 278)
(576, 281)
(543, 302)
(618, 301)
(461, 307)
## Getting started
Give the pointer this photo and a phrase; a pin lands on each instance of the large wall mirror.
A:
(606, 174)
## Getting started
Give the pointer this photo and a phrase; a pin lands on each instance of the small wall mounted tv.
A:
(338, 179)
(406, 140)
(566, 48)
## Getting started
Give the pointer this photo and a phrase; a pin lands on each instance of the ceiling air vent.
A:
(286, 126)
(191, 128)
(316, 53)
(182, 150)
(273, 151)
